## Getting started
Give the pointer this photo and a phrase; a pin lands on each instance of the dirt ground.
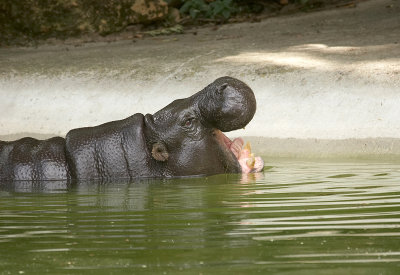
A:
(270, 9)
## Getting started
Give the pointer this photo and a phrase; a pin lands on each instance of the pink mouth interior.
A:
(243, 155)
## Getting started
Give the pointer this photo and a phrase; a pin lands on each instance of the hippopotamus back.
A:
(32, 159)
(112, 150)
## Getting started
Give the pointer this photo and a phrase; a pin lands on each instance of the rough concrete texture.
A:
(327, 83)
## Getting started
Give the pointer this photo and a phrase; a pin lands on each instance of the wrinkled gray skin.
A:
(182, 139)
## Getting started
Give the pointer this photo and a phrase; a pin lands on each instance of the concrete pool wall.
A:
(327, 83)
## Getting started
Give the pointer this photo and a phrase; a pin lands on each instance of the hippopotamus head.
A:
(185, 138)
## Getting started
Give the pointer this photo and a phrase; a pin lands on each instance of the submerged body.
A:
(183, 139)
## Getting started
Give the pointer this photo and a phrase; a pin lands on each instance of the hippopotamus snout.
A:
(227, 103)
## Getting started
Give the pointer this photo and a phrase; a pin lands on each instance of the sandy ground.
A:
(327, 83)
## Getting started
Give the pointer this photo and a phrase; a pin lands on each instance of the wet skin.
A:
(183, 139)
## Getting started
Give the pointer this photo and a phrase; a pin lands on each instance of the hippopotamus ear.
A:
(227, 104)
(159, 152)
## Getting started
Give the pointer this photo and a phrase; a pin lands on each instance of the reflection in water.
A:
(322, 218)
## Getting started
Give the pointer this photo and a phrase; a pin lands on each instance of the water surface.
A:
(295, 218)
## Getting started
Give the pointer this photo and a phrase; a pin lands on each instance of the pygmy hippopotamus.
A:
(183, 139)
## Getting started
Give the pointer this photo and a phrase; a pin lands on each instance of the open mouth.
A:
(248, 162)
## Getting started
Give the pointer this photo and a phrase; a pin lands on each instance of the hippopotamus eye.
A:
(189, 122)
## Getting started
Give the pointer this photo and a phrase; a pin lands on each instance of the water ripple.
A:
(294, 218)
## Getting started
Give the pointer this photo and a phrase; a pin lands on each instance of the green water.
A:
(295, 218)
